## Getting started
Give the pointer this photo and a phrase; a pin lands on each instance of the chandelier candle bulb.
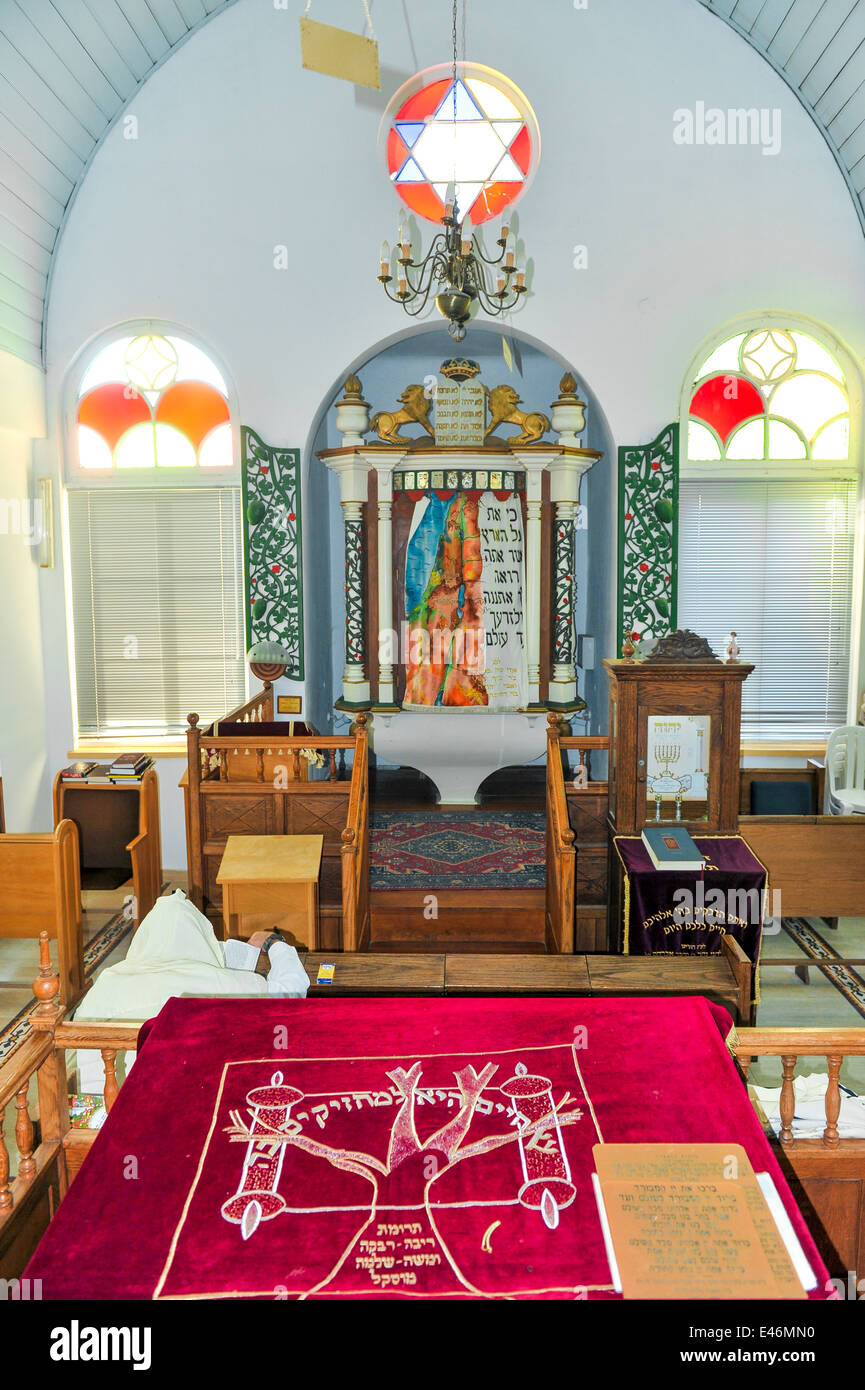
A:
(384, 256)
(503, 234)
(509, 254)
(521, 278)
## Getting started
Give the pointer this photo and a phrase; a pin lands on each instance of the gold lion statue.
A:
(503, 401)
(415, 410)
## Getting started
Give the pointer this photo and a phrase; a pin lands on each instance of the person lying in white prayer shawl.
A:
(809, 1115)
(175, 951)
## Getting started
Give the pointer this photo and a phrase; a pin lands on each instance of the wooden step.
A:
(459, 919)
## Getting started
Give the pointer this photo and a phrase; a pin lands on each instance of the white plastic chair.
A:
(845, 772)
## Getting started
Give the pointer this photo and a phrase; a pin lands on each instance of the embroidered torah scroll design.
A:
(429, 1130)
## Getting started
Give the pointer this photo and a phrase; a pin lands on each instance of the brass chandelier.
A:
(457, 266)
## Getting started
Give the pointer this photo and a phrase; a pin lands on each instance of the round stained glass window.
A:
(478, 133)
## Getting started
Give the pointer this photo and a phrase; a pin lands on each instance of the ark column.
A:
(387, 637)
(355, 685)
(565, 474)
(351, 470)
(534, 471)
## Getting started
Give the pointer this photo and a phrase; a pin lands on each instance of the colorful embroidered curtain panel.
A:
(464, 585)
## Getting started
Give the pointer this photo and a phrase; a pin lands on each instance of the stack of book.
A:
(129, 767)
(77, 772)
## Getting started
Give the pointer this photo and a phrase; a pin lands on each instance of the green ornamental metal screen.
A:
(648, 536)
(274, 562)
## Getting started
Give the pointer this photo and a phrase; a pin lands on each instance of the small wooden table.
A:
(272, 881)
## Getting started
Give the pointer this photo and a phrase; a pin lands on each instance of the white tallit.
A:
(174, 951)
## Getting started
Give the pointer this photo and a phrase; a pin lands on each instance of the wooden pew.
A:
(254, 780)
(816, 862)
(93, 807)
(40, 890)
(725, 979)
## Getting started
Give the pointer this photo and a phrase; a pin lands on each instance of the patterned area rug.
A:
(845, 979)
(96, 951)
(457, 849)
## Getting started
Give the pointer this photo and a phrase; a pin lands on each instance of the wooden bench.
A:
(723, 979)
(40, 890)
(255, 780)
(104, 815)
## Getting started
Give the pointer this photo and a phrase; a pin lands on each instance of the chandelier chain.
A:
(454, 33)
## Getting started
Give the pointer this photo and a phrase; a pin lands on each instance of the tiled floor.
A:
(785, 1000)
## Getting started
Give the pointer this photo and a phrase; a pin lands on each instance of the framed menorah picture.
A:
(677, 766)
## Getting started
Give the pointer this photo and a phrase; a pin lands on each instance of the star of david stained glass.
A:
(460, 144)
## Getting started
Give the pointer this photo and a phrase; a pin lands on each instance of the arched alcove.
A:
(385, 370)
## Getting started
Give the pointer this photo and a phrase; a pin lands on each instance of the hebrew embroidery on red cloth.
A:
(446, 1175)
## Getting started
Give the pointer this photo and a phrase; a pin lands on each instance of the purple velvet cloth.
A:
(726, 897)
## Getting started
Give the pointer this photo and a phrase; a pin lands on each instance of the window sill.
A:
(783, 749)
(109, 748)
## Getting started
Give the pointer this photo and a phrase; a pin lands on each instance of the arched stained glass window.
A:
(478, 132)
(767, 525)
(769, 394)
(153, 402)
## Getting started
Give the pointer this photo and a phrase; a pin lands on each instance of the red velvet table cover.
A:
(369, 1149)
(732, 870)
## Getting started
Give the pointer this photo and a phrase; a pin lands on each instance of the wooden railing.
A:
(209, 753)
(255, 710)
(561, 849)
(826, 1174)
(355, 848)
(790, 1044)
(561, 857)
(50, 1152)
(583, 745)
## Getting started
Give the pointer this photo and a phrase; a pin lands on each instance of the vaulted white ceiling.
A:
(818, 47)
(69, 67)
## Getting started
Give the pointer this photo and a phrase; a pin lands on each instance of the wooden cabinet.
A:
(674, 740)
(675, 722)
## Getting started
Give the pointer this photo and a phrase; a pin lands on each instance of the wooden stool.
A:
(271, 881)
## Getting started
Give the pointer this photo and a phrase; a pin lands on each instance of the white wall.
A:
(240, 150)
(23, 763)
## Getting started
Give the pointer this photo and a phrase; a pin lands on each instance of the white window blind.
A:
(157, 602)
(773, 561)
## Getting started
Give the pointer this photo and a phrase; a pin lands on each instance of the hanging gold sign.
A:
(339, 53)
